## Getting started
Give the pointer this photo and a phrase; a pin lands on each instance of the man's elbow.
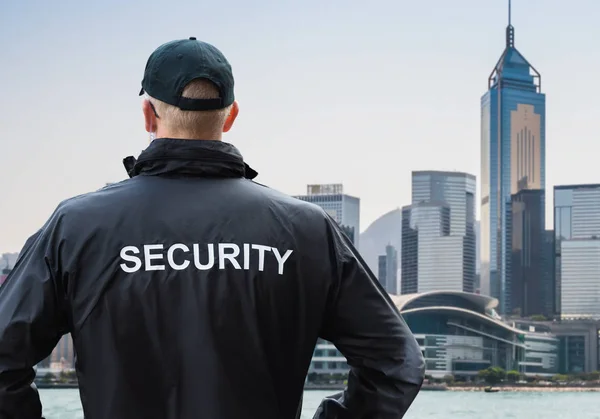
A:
(411, 368)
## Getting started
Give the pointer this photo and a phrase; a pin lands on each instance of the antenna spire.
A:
(510, 30)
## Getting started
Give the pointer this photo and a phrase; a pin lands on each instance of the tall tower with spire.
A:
(513, 148)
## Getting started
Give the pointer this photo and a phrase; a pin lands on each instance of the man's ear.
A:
(149, 116)
(233, 113)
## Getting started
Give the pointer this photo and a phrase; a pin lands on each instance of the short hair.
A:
(193, 124)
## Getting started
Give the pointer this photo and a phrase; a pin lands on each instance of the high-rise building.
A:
(513, 121)
(382, 270)
(388, 270)
(438, 233)
(528, 274)
(344, 209)
(577, 250)
(327, 361)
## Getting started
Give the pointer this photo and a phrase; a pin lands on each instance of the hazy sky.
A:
(359, 92)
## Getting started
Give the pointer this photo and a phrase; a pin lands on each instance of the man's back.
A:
(195, 292)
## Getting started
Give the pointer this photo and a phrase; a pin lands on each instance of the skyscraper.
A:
(344, 209)
(388, 270)
(513, 121)
(577, 250)
(438, 233)
(528, 274)
(382, 270)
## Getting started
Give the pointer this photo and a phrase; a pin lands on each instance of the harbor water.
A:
(64, 404)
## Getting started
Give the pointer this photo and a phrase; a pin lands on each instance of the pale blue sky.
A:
(359, 92)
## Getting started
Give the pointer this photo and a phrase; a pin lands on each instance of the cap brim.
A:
(141, 92)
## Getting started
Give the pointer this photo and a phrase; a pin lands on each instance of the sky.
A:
(353, 92)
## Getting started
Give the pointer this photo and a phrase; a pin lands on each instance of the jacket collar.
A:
(189, 157)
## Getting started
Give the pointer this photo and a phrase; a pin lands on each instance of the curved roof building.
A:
(460, 333)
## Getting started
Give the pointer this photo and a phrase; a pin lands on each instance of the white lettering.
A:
(261, 255)
(149, 257)
(171, 260)
(206, 256)
(229, 256)
(281, 259)
(137, 263)
(211, 257)
(246, 256)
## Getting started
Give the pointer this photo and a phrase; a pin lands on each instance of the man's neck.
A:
(211, 136)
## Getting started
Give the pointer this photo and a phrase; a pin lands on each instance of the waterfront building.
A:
(327, 361)
(344, 209)
(438, 233)
(577, 251)
(460, 333)
(542, 349)
(578, 343)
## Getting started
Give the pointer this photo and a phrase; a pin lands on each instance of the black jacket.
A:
(193, 292)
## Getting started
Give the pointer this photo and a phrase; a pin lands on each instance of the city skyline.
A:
(411, 115)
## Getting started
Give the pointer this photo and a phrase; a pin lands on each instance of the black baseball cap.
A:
(175, 64)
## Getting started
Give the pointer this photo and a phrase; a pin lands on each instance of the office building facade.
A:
(438, 233)
(344, 209)
(577, 250)
(513, 121)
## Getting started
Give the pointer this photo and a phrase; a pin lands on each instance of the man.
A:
(192, 292)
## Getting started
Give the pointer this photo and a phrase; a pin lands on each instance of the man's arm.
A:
(32, 321)
(387, 367)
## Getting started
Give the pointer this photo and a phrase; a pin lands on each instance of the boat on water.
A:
(491, 390)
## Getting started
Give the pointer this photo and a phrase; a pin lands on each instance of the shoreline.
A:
(426, 387)
(500, 389)
(529, 389)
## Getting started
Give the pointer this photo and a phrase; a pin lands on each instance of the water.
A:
(64, 404)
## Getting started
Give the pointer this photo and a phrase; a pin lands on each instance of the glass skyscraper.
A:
(513, 148)
(438, 233)
(577, 250)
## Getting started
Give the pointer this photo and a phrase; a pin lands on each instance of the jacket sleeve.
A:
(31, 323)
(386, 365)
